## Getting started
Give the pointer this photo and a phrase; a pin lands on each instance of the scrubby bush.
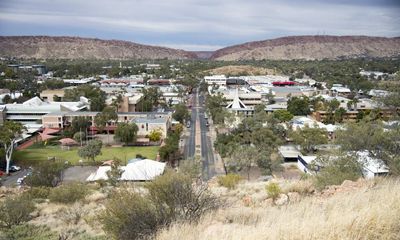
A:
(46, 174)
(15, 210)
(69, 193)
(28, 232)
(171, 197)
(273, 190)
(179, 198)
(38, 193)
(337, 169)
(229, 181)
(303, 187)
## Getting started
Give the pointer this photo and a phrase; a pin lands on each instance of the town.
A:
(199, 120)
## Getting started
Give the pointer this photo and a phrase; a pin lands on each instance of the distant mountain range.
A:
(286, 48)
(44, 47)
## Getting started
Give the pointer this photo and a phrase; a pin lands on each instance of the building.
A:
(51, 95)
(150, 123)
(372, 167)
(155, 120)
(215, 79)
(31, 111)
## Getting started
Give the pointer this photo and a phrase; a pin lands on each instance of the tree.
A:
(91, 150)
(105, 117)
(309, 137)
(283, 115)
(126, 132)
(150, 99)
(298, 106)
(181, 113)
(95, 94)
(80, 123)
(244, 158)
(169, 151)
(79, 137)
(9, 133)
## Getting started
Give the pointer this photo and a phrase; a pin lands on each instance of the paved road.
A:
(11, 180)
(207, 154)
(190, 146)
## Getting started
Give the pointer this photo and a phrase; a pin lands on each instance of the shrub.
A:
(303, 187)
(130, 216)
(229, 181)
(15, 210)
(47, 174)
(38, 193)
(29, 232)
(171, 197)
(336, 170)
(68, 193)
(273, 190)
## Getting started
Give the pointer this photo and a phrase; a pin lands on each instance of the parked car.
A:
(188, 124)
(14, 168)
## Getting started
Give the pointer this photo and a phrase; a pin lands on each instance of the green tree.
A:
(91, 150)
(309, 137)
(299, 106)
(181, 113)
(243, 158)
(126, 132)
(9, 133)
(150, 100)
(80, 123)
(283, 115)
(104, 119)
(97, 97)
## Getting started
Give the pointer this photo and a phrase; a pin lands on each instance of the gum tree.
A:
(9, 133)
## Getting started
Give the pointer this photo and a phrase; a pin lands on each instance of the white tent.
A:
(137, 170)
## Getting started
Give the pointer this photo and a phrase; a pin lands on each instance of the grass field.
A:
(30, 156)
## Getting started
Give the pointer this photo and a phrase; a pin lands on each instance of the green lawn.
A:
(32, 155)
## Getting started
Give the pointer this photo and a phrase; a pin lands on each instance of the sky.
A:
(198, 24)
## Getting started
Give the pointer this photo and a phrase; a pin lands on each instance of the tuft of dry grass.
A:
(368, 212)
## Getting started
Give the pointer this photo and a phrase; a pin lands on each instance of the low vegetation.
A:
(229, 181)
(171, 198)
(69, 193)
(371, 211)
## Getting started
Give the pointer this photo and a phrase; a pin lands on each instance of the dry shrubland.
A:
(356, 210)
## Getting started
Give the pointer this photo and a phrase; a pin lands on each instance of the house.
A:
(372, 167)
(148, 124)
(289, 153)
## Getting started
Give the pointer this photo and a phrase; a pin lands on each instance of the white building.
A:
(215, 79)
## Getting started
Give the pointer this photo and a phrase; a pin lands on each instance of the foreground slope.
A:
(312, 47)
(350, 211)
(45, 47)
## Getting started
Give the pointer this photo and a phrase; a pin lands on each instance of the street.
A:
(190, 146)
(207, 154)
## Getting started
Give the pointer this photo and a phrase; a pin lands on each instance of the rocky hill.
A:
(83, 48)
(312, 47)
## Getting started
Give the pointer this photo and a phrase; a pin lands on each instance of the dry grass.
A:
(369, 212)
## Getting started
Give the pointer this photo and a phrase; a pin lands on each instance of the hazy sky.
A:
(198, 24)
